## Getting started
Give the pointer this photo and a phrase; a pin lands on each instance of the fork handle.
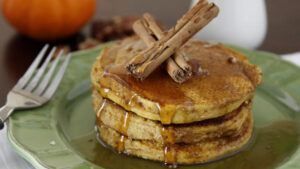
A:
(5, 111)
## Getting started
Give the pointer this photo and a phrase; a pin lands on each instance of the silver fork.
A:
(34, 91)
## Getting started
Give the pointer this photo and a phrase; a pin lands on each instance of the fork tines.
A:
(37, 80)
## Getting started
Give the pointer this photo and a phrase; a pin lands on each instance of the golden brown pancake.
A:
(136, 127)
(178, 153)
(218, 86)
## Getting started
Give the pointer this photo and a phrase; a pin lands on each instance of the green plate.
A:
(62, 133)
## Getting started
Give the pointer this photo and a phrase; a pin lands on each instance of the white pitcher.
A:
(240, 22)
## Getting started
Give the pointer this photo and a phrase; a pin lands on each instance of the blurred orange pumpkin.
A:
(48, 19)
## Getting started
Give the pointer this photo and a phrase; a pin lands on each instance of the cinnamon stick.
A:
(146, 62)
(150, 32)
(178, 56)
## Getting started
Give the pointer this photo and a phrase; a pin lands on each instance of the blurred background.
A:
(273, 25)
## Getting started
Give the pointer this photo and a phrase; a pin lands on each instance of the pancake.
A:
(217, 87)
(178, 153)
(136, 127)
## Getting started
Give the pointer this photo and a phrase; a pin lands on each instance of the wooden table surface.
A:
(17, 52)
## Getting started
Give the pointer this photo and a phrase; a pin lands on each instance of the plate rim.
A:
(29, 157)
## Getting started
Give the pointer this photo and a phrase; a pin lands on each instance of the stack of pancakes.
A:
(202, 119)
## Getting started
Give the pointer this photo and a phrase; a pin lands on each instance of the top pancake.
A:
(217, 86)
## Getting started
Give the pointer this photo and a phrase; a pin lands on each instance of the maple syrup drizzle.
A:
(125, 120)
(170, 156)
(169, 149)
(167, 133)
(125, 124)
(105, 92)
(121, 144)
(132, 100)
(99, 112)
(166, 116)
